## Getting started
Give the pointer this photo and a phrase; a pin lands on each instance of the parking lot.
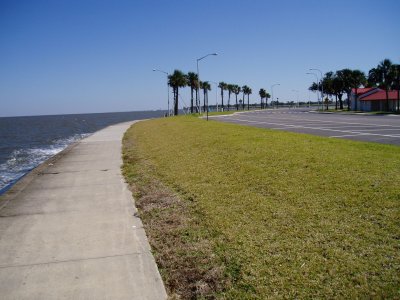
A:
(363, 127)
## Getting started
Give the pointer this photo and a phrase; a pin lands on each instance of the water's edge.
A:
(15, 188)
(27, 142)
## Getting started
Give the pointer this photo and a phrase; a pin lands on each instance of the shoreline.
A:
(21, 182)
(69, 228)
(28, 141)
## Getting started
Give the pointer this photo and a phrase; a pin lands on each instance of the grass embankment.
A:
(266, 214)
(217, 113)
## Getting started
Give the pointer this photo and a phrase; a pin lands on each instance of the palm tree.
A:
(198, 105)
(374, 77)
(263, 94)
(244, 89)
(204, 98)
(385, 68)
(267, 96)
(327, 85)
(396, 83)
(314, 87)
(358, 80)
(192, 82)
(247, 91)
(344, 77)
(205, 86)
(352, 79)
(230, 88)
(337, 88)
(223, 86)
(236, 91)
(176, 80)
(384, 76)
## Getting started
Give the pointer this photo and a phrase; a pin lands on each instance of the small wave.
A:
(21, 161)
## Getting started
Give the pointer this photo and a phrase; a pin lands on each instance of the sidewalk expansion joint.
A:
(74, 260)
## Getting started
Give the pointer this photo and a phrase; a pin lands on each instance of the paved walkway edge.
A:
(69, 229)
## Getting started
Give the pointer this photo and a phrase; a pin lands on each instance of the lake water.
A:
(26, 142)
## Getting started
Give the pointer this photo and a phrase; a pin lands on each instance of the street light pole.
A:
(316, 76)
(199, 93)
(157, 70)
(198, 78)
(322, 87)
(272, 90)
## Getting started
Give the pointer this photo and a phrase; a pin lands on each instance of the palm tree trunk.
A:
(398, 99)
(204, 101)
(207, 107)
(248, 102)
(398, 88)
(197, 101)
(176, 101)
(237, 107)
(173, 91)
(336, 102)
(191, 100)
(355, 100)
(222, 99)
(200, 100)
(348, 101)
(340, 101)
(387, 99)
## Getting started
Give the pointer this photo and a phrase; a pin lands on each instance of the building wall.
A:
(365, 106)
(377, 105)
(360, 104)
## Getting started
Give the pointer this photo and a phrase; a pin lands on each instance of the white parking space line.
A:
(384, 129)
(366, 128)
(316, 128)
(325, 121)
(345, 135)
(333, 126)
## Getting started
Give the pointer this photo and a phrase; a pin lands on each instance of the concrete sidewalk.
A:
(68, 230)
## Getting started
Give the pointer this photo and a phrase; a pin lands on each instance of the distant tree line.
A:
(385, 75)
(178, 80)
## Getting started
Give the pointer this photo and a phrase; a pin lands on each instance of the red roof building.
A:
(361, 91)
(380, 95)
(374, 99)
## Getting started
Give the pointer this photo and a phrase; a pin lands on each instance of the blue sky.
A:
(85, 56)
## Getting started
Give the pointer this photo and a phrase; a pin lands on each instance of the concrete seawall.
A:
(68, 230)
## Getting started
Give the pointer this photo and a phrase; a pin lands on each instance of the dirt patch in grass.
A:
(181, 246)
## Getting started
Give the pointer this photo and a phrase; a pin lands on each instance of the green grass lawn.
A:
(266, 214)
(219, 113)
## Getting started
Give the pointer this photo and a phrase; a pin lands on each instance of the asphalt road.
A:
(362, 127)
